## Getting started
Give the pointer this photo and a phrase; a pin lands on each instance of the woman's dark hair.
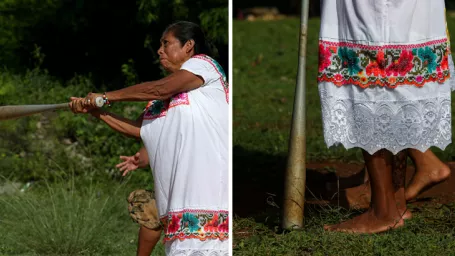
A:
(185, 31)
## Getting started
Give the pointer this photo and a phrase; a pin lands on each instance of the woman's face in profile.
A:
(172, 53)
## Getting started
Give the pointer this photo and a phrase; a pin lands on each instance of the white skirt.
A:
(384, 75)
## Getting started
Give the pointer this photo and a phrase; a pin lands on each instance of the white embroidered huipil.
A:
(384, 75)
(187, 141)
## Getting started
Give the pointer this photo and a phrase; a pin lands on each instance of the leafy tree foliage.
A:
(113, 41)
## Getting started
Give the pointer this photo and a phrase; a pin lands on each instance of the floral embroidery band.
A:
(155, 109)
(179, 99)
(344, 63)
(199, 224)
(159, 108)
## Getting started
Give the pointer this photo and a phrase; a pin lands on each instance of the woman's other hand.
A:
(130, 163)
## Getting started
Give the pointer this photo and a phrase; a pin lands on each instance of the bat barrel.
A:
(295, 176)
(12, 112)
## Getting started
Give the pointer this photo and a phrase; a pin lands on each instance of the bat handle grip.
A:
(99, 101)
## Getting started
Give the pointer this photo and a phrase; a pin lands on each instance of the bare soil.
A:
(262, 192)
(328, 186)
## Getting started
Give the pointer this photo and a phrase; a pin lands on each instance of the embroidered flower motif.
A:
(392, 80)
(401, 66)
(196, 224)
(363, 78)
(179, 99)
(444, 63)
(181, 235)
(428, 58)
(338, 77)
(440, 76)
(212, 225)
(419, 79)
(324, 57)
(174, 224)
(224, 227)
(180, 96)
(349, 60)
(376, 67)
(155, 109)
(157, 106)
(191, 221)
(386, 65)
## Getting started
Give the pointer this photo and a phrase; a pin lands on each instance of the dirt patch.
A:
(329, 190)
(258, 188)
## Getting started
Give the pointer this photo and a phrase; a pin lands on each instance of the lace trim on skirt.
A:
(391, 125)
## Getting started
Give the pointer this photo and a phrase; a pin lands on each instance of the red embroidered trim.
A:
(196, 224)
(148, 105)
(151, 114)
(179, 99)
(382, 47)
(176, 100)
(344, 63)
(391, 83)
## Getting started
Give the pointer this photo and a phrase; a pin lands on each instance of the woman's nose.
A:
(160, 50)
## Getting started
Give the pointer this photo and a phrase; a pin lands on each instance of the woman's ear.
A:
(189, 45)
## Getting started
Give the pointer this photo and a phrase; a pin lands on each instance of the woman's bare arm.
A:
(178, 82)
(120, 124)
(143, 158)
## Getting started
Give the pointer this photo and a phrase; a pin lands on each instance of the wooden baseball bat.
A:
(12, 112)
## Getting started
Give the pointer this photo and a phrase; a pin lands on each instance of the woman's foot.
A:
(430, 171)
(360, 197)
(368, 223)
(383, 214)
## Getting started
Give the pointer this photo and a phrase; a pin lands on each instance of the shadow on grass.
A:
(258, 186)
(258, 180)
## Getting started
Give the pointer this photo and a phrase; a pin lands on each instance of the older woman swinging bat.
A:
(185, 131)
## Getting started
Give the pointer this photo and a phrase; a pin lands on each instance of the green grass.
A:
(73, 217)
(264, 72)
(429, 233)
(77, 203)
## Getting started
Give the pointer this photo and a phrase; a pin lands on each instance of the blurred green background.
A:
(55, 49)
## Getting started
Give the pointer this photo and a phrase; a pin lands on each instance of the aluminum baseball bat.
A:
(295, 175)
(16, 111)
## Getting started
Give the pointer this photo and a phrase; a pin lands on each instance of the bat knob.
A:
(99, 102)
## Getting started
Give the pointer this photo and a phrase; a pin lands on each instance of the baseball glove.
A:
(142, 208)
